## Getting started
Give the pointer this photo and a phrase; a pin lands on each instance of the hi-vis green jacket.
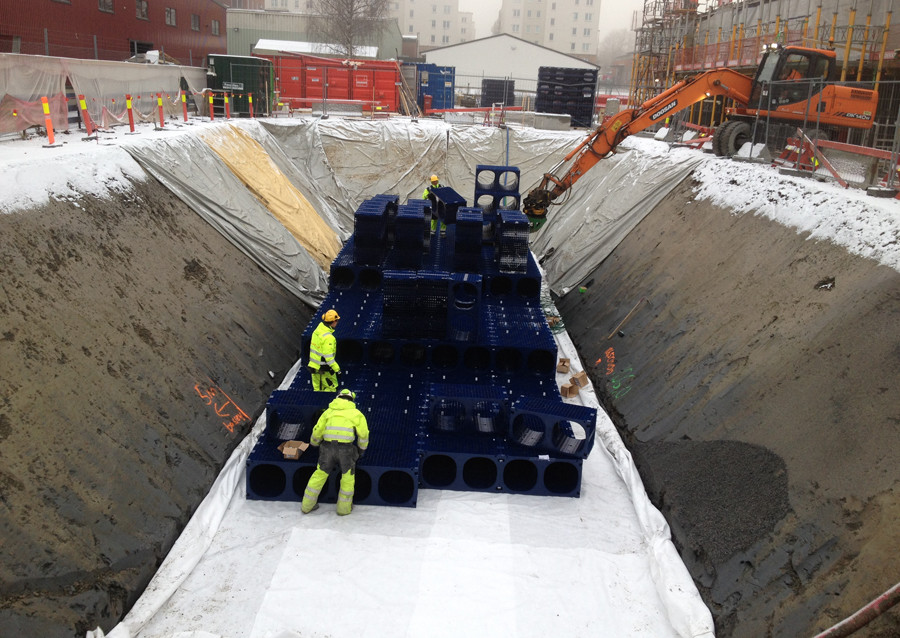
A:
(343, 423)
(322, 348)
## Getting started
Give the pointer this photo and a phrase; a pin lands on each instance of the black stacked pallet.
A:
(567, 91)
(400, 305)
(512, 242)
(497, 92)
(370, 230)
(409, 236)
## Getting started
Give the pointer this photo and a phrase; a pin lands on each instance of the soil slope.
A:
(756, 384)
(119, 315)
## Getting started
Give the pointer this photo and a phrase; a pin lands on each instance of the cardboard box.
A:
(563, 366)
(293, 449)
(568, 390)
(580, 379)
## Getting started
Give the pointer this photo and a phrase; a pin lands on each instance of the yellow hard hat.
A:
(331, 315)
(434, 178)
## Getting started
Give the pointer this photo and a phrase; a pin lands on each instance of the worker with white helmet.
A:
(322, 349)
(342, 435)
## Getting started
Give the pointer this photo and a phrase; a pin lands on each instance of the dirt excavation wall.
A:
(125, 323)
(756, 386)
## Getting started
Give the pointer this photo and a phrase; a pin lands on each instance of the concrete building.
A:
(436, 23)
(567, 26)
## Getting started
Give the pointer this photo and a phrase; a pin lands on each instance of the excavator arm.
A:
(603, 140)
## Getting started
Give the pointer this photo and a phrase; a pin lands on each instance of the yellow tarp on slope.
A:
(251, 164)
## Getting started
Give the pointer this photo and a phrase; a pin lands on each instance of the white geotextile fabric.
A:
(458, 564)
(603, 207)
(190, 168)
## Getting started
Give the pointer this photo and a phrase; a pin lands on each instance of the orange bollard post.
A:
(250, 98)
(227, 108)
(88, 124)
(159, 103)
(212, 112)
(130, 114)
(184, 104)
(48, 123)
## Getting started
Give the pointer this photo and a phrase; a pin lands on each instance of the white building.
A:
(437, 23)
(567, 26)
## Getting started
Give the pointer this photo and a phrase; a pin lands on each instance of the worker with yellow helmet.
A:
(426, 194)
(322, 365)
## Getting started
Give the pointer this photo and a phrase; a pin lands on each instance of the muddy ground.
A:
(756, 384)
(118, 317)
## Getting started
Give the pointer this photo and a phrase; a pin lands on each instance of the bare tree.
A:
(346, 25)
(614, 44)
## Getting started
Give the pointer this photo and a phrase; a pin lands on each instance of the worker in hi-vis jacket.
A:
(426, 194)
(322, 364)
(342, 435)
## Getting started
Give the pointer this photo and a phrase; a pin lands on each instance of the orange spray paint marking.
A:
(223, 405)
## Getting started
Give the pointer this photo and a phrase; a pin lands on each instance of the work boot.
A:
(314, 508)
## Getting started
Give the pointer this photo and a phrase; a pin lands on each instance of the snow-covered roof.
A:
(274, 47)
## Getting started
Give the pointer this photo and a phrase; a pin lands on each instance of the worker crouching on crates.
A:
(426, 194)
(322, 365)
(342, 435)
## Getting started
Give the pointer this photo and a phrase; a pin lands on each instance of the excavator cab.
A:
(788, 75)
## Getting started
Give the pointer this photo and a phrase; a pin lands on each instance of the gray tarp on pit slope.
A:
(191, 170)
(604, 206)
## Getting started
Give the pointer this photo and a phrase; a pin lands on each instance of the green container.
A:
(241, 76)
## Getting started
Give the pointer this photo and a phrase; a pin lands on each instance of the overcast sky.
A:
(614, 14)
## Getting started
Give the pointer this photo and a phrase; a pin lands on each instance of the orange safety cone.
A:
(130, 113)
(159, 104)
(48, 124)
(86, 117)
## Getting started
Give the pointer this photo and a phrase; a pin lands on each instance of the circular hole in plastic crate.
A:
(508, 181)
(520, 475)
(487, 417)
(396, 487)
(486, 179)
(448, 415)
(528, 430)
(509, 203)
(480, 473)
(501, 286)
(540, 361)
(528, 287)
(267, 481)
(382, 352)
(362, 487)
(445, 356)
(561, 478)
(509, 359)
(485, 202)
(342, 277)
(349, 351)
(301, 478)
(369, 279)
(568, 437)
(438, 470)
(413, 354)
(477, 358)
(465, 295)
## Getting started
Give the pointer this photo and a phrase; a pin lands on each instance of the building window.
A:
(170, 17)
(575, 17)
(410, 13)
(434, 24)
(445, 39)
(434, 8)
(463, 30)
(195, 22)
(551, 37)
(215, 27)
(529, 13)
(446, 8)
(463, 19)
(588, 16)
(553, 6)
(517, 13)
(572, 47)
(106, 6)
(587, 32)
(141, 9)
(410, 29)
(446, 24)
(574, 31)
(63, 1)
(538, 14)
(528, 29)
(585, 47)
(552, 22)
(515, 28)
(432, 39)
(537, 29)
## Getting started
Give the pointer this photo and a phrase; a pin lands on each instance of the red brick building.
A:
(186, 30)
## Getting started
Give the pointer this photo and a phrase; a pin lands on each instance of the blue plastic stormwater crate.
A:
(438, 357)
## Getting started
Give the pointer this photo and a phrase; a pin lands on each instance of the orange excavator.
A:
(791, 85)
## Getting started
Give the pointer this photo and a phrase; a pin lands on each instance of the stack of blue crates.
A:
(444, 340)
